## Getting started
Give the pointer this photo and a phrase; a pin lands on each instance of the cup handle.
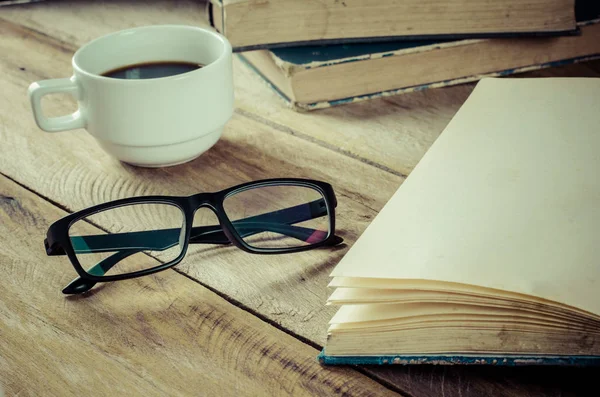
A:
(54, 124)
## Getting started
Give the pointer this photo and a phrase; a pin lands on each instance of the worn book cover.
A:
(316, 77)
(254, 24)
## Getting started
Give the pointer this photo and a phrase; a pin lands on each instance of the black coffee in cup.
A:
(151, 70)
(134, 114)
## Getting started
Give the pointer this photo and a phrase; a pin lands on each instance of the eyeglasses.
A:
(148, 234)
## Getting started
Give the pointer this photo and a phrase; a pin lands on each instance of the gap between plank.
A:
(230, 299)
(301, 338)
(308, 138)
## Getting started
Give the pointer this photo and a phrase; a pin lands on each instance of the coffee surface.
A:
(151, 70)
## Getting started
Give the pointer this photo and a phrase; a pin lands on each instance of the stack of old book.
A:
(317, 54)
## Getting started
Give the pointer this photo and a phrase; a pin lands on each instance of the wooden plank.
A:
(398, 131)
(71, 169)
(157, 335)
(391, 133)
(277, 293)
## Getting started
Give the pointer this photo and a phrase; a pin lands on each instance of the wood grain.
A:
(399, 130)
(387, 137)
(157, 335)
(291, 289)
(390, 133)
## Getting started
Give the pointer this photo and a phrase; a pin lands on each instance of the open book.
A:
(489, 252)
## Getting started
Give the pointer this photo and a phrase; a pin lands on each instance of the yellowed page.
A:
(361, 286)
(478, 321)
(508, 197)
(370, 295)
(399, 311)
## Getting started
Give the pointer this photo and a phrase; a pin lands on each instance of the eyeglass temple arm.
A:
(163, 239)
(160, 240)
(80, 285)
(277, 221)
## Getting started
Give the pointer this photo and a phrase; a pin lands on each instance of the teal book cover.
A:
(499, 360)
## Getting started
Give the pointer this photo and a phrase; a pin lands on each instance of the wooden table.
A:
(224, 322)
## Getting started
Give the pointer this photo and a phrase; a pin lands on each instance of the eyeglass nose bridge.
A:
(201, 200)
(208, 201)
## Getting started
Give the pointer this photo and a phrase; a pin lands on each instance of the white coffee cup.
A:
(148, 122)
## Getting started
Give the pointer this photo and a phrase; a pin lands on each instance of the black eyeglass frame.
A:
(58, 242)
